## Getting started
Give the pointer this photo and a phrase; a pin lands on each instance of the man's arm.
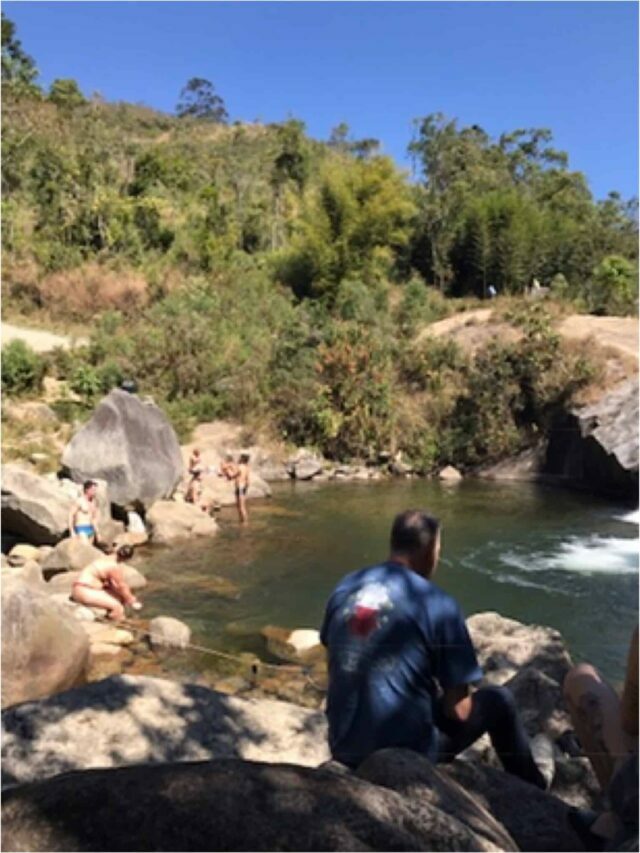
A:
(457, 703)
(72, 518)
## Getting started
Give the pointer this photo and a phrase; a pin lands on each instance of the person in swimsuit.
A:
(196, 470)
(241, 482)
(83, 518)
(102, 584)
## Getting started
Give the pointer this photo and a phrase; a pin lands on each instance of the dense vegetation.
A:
(249, 271)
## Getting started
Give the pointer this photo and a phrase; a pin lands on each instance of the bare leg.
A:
(595, 711)
(99, 598)
(242, 509)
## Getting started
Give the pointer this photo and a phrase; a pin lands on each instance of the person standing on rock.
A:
(196, 470)
(401, 665)
(102, 584)
(83, 518)
(242, 486)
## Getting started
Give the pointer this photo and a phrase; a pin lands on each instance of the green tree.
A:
(199, 100)
(66, 93)
(18, 68)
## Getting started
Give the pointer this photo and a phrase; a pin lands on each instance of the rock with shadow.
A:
(227, 805)
(138, 719)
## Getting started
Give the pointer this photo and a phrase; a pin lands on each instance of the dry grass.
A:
(91, 289)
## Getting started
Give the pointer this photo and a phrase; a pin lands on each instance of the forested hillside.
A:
(249, 271)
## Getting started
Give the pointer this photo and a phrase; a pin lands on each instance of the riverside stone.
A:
(170, 521)
(166, 632)
(43, 648)
(33, 508)
(130, 444)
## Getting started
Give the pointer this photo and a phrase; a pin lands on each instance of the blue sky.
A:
(569, 66)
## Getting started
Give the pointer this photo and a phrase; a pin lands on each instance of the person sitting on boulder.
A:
(607, 728)
(102, 584)
(83, 518)
(401, 666)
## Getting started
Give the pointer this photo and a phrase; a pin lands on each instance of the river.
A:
(536, 554)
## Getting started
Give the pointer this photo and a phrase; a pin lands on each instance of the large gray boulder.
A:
(226, 805)
(130, 444)
(137, 719)
(44, 649)
(596, 446)
(34, 508)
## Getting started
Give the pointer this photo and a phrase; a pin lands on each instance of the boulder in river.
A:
(130, 444)
(450, 474)
(44, 649)
(167, 632)
(170, 521)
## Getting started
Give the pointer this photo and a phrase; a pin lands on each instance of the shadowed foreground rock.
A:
(495, 805)
(224, 805)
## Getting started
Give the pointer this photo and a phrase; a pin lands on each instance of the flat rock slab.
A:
(136, 719)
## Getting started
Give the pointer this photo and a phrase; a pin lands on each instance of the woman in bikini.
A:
(242, 486)
(102, 584)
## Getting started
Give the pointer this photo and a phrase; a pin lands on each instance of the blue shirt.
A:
(393, 638)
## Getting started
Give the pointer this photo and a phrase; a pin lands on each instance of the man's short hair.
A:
(413, 530)
(87, 485)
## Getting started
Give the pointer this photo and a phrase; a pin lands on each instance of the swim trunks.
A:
(84, 530)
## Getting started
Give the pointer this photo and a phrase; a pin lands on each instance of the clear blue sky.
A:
(570, 66)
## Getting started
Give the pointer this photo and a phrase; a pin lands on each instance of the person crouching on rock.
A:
(102, 584)
(401, 666)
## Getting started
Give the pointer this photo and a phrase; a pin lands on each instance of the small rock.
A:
(232, 685)
(100, 649)
(72, 554)
(291, 645)
(111, 634)
(450, 474)
(167, 632)
(19, 554)
(37, 457)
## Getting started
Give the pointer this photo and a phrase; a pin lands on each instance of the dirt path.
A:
(619, 333)
(37, 339)
(473, 329)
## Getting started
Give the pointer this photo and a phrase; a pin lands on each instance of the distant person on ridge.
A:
(102, 584)
(401, 664)
(83, 518)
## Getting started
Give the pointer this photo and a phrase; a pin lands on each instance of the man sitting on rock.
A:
(401, 665)
(102, 584)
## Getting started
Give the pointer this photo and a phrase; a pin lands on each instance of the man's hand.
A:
(457, 703)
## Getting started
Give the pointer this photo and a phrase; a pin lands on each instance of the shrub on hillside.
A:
(613, 288)
(22, 369)
(90, 289)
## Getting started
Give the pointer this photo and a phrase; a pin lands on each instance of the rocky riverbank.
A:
(133, 740)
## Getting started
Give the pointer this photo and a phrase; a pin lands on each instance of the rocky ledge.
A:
(162, 765)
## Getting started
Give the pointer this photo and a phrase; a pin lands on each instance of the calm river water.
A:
(538, 555)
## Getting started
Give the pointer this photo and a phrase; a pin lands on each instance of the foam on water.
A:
(630, 517)
(581, 554)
